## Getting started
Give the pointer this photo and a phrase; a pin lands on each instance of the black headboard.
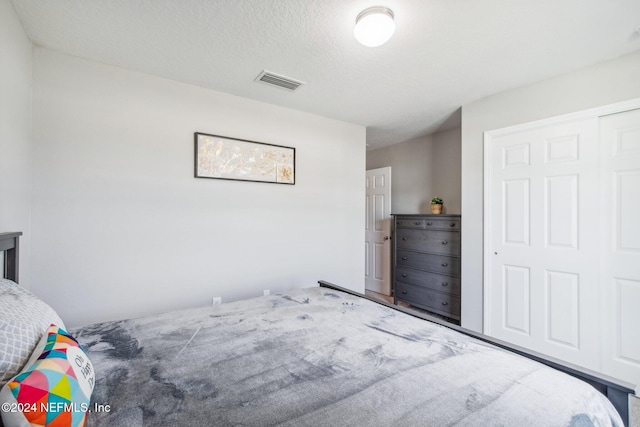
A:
(10, 244)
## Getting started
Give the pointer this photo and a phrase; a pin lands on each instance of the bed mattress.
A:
(319, 357)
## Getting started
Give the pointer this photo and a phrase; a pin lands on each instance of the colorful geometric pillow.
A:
(55, 387)
(24, 318)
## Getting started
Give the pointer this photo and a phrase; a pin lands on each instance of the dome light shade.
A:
(374, 26)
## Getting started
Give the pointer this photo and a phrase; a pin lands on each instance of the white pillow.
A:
(24, 319)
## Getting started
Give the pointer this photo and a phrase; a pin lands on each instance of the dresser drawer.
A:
(429, 280)
(432, 241)
(434, 263)
(442, 224)
(439, 302)
(411, 223)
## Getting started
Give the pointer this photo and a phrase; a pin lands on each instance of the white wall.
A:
(601, 84)
(421, 169)
(15, 133)
(122, 228)
(445, 170)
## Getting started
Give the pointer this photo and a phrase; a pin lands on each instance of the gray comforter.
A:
(318, 357)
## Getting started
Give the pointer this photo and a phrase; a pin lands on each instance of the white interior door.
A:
(378, 231)
(542, 287)
(620, 236)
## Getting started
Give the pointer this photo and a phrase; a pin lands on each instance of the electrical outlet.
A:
(266, 292)
(217, 300)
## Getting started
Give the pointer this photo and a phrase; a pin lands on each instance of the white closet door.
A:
(542, 287)
(620, 275)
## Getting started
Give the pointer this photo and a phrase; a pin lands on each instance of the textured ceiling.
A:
(444, 54)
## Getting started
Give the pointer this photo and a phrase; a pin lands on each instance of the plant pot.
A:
(436, 209)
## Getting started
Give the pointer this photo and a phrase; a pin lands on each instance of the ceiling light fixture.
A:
(374, 26)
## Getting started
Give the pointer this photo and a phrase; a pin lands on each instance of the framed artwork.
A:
(222, 157)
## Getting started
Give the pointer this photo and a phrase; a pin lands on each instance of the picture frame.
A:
(223, 157)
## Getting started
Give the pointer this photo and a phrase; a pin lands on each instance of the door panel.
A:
(561, 211)
(620, 236)
(562, 291)
(515, 220)
(378, 231)
(543, 290)
(628, 210)
(517, 302)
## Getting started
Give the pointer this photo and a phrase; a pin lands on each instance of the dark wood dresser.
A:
(426, 261)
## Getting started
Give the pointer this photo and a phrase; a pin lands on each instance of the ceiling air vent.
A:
(273, 79)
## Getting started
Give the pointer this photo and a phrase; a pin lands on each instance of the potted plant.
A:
(436, 205)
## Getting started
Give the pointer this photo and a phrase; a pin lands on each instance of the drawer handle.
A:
(445, 303)
(404, 292)
(404, 258)
(404, 238)
(404, 274)
(429, 223)
(444, 242)
(445, 283)
(417, 223)
(453, 224)
(444, 264)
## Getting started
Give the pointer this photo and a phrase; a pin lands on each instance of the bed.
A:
(326, 356)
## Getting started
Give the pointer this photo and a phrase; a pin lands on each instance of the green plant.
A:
(436, 201)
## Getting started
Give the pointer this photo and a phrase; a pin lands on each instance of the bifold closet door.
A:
(620, 236)
(542, 288)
